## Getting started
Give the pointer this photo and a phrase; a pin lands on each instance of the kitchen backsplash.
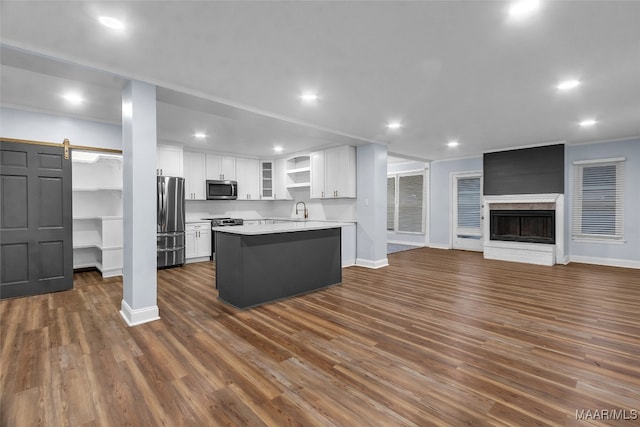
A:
(339, 209)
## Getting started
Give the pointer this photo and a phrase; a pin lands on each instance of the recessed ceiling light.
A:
(73, 98)
(523, 7)
(200, 135)
(568, 84)
(587, 123)
(111, 22)
(453, 144)
(309, 96)
(394, 125)
(278, 148)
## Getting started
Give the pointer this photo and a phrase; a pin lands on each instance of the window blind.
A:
(410, 203)
(598, 199)
(391, 203)
(469, 207)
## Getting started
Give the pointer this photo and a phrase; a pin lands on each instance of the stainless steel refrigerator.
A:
(170, 201)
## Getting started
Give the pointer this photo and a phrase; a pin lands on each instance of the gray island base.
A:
(253, 269)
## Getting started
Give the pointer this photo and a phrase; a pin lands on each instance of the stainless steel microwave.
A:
(222, 190)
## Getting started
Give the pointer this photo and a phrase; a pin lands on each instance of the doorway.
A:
(466, 215)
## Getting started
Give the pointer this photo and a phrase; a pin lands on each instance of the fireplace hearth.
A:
(531, 226)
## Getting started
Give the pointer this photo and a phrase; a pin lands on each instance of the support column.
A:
(139, 299)
(372, 206)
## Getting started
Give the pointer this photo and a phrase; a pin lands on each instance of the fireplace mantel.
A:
(534, 253)
(524, 198)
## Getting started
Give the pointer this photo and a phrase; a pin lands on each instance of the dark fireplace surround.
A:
(531, 226)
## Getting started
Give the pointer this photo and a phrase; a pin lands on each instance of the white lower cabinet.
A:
(348, 245)
(197, 241)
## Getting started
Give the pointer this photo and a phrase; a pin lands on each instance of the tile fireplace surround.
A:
(532, 253)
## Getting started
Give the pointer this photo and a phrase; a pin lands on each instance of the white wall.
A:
(626, 254)
(139, 281)
(372, 205)
(20, 124)
(440, 197)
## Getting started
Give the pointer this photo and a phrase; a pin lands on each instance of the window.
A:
(405, 202)
(469, 212)
(597, 199)
(391, 203)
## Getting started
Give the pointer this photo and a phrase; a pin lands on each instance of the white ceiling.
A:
(445, 69)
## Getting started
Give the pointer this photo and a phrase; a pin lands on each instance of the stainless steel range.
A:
(220, 222)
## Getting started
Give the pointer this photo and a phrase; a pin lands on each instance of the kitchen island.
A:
(256, 264)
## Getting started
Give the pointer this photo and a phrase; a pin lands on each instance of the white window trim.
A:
(577, 196)
(425, 197)
(455, 241)
(476, 232)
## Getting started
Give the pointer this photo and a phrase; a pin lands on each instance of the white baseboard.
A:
(404, 242)
(439, 246)
(348, 263)
(625, 263)
(372, 264)
(198, 259)
(112, 272)
(138, 316)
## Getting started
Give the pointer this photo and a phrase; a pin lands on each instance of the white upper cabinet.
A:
(333, 173)
(317, 175)
(280, 180)
(221, 167)
(169, 160)
(248, 177)
(194, 177)
(340, 172)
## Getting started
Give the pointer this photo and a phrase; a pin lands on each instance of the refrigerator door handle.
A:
(163, 205)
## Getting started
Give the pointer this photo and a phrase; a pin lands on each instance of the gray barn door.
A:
(36, 248)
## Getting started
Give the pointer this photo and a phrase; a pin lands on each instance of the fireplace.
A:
(524, 228)
(531, 226)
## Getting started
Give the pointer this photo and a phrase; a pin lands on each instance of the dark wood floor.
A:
(437, 338)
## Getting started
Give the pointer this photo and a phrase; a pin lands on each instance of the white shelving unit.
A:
(298, 171)
(267, 179)
(97, 212)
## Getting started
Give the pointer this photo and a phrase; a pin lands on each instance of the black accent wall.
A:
(536, 170)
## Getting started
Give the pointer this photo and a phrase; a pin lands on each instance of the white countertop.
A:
(308, 220)
(282, 227)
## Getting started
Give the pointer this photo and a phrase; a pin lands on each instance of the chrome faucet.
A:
(306, 213)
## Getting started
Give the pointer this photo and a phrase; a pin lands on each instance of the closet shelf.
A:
(97, 212)
(299, 170)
